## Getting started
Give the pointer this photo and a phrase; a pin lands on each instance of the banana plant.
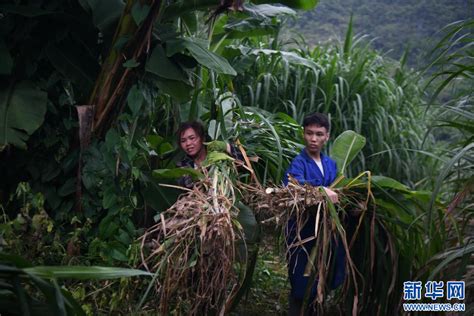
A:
(22, 110)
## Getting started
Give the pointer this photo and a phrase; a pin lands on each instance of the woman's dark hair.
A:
(319, 119)
(195, 125)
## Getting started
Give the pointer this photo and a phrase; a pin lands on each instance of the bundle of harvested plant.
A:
(192, 247)
(293, 206)
(279, 203)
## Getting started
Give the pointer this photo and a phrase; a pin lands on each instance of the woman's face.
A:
(190, 142)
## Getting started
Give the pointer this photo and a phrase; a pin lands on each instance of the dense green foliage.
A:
(358, 88)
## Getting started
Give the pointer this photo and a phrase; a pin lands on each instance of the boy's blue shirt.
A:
(304, 169)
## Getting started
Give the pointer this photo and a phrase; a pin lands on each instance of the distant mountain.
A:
(394, 25)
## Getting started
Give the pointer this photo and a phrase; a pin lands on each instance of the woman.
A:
(191, 137)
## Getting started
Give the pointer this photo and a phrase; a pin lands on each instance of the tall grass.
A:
(451, 88)
(360, 90)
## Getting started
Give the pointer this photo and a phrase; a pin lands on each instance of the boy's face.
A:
(315, 137)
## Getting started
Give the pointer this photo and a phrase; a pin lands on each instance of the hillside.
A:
(394, 25)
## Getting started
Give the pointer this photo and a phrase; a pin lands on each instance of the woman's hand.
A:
(218, 145)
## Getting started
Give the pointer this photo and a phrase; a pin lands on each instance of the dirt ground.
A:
(268, 294)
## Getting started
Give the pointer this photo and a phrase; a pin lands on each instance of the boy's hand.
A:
(332, 195)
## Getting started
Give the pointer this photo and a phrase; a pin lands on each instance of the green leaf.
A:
(140, 12)
(118, 255)
(267, 10)
(345, 149)
(165, 148)
(159, 144)
(135, 100)
(22, 110)
(59, 298)
(161, 65)
(389, 183)
(177, 173)
(72, 65)
(109, 199)
(105, 13)
(249, 224)
(154, 141)
(290, 57)
(68, 187)
(214, 157)
(121, 42)
(248, 28)
(180, 8)
(198, 49)
(177, 89)
(83, 273)
(74, 308)
(24, 10)
(6, 60)
(295, 4)
(348, 40)
(451, 255)
(191, 20)
(50, 172)
(112, 139)
(131, 63)
(159, 197)
(439, 180)
(15, 260)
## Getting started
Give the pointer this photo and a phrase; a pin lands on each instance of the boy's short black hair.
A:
(319, 119)
(195, 125)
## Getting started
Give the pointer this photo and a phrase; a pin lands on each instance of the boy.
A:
(312, 167)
